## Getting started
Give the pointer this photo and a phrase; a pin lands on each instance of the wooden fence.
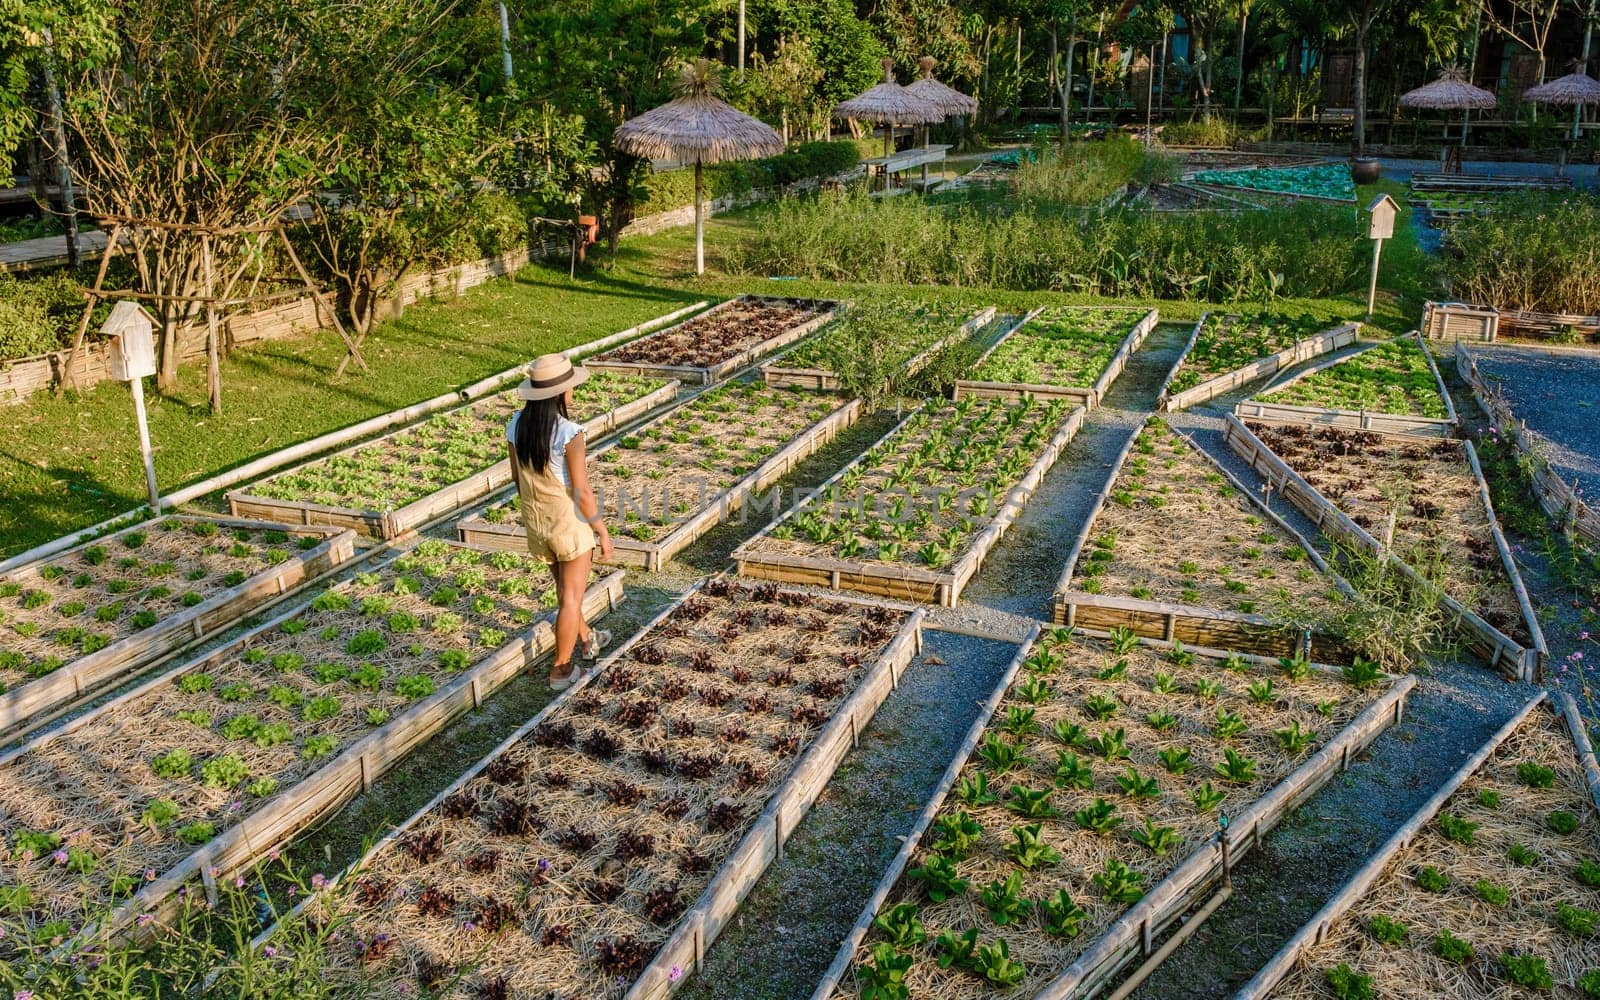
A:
(1560, 499)
(1465, 321)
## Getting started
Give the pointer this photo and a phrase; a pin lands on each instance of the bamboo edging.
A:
(1559, 499)
(1314, 931)
(1384, 423)
(1318, 344)
(930, 810)
(712, 374)
(774, 373)
(900, 581)
(402, 521)
(1134, 933)
(327, 442)
(1503, 653)
(1089, 397)
(1191, 625)
(513, 536)
(324, 791)
(22, 706)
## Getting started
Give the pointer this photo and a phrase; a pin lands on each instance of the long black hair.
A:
(536, 428)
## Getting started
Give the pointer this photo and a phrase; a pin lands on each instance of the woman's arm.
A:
(588, 505)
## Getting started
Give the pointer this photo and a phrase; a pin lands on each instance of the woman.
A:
(558, 507)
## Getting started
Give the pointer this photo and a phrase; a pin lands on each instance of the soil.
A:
(708, 341)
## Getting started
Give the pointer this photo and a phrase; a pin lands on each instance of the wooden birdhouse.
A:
(130, 334)
(1380, 217)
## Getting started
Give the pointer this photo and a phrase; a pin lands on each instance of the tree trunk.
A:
(1066, 80)
(1050, 90)
(1238, 82)
(1358, 87)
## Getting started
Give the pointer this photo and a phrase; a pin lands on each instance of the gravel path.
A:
(790, 927)
(1556, 392)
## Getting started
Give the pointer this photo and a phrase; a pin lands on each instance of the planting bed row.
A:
(1492, 889)
(71, 623)
(915, 515)
(401, 481)
(713, 345)
(1225, 352)
(1325, 182)
(673, 479)
(896, 339)
(211, 765)
(1082, 815)
(1427, 501)
(1071, 353)
(1174, 550)
(602, 847)
(1392, 387)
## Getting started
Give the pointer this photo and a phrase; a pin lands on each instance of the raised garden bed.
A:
(1488, 890)
(206, 768)
(602, 847)
(718, 342)
(679, 476)
(1323, 182)
(78, 620)
(1080, 818)
(920, 332)
(1427, 499)
(1393, 387)
(1064, 353)
(1465, 321)
(915, 515)
(1226, 352)
(397, 483)
(1175, 549)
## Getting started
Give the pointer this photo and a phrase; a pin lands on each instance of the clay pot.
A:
(1364, 169)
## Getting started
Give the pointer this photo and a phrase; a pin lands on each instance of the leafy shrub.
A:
(1535, 251)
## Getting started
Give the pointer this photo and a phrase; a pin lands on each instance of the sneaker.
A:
(599, 639)
(560, 682)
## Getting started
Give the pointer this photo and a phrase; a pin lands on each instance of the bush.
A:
(1203, 132)
(1537, 252)
(38, 315)
(672, 189)
(1211, 256)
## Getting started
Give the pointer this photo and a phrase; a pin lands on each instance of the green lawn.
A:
(66, 464)
(72, 462)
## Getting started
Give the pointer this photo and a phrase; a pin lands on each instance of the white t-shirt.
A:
(565, 431)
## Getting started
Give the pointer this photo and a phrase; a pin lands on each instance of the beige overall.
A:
(555, 531)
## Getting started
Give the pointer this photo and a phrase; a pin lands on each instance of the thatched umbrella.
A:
(1451, 92)
(946, 99)
(1573, 91)
(697, 125)
(890, 104)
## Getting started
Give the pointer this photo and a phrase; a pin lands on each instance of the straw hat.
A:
(550, 375)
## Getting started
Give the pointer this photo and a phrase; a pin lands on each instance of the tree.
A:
(606, 61)
(1243, 6)
(64, 34)
(1205, 19)
(1361, 16)
(1526, 22)
(784, 86)
(236, 153)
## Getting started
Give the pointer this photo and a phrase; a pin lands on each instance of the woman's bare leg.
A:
(571, 628)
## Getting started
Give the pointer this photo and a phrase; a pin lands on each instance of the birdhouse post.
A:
(1380, 226)
(130, 332)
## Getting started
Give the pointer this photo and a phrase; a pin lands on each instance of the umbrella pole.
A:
(699, 226)
(888, 151)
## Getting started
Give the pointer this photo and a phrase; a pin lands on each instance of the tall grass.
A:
(1312, 250)
(1536, 252)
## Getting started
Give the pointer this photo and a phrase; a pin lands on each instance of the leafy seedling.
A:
(1028, 850)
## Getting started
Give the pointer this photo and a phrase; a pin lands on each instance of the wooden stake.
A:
(92, 296)
(354, 346)
(213, 359)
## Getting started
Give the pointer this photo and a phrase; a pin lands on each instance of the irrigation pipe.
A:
(329, 441)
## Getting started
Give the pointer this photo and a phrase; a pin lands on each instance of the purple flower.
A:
(59, 857)
(270, 951)
(238, 881)
(144, 919)
(1583, 635)
(675, 975)
(212, 872)
(274, 855)
(293, 892)
(24, 995)
(318, 881)
(469, 926)
(544, 864)
(149, 874)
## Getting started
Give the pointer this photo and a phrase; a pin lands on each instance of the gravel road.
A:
(1558, 393)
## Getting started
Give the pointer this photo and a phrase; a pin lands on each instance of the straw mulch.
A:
(1085, 853)
(1441, 528)
(561, 867)
(1173, 529)
(653, 480)
(1525, 925)
(88, 598)
(404, 467)
(927, 459)
(709, 340)
(92, 785)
